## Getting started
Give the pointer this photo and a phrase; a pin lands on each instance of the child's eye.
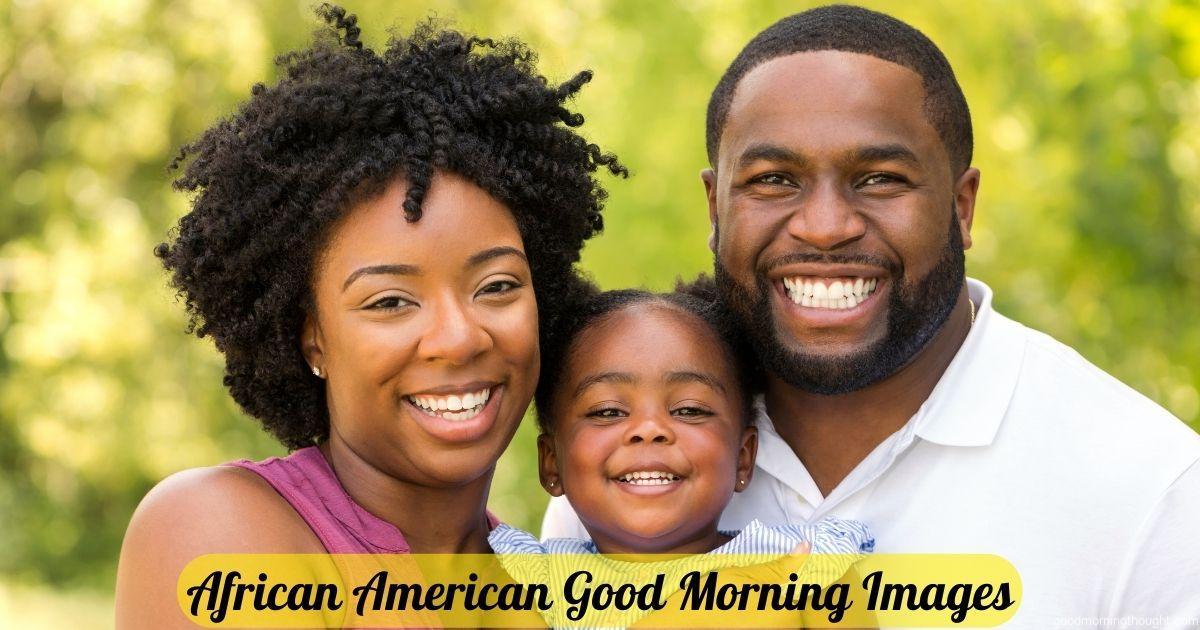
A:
(606, 413)
(691, 412)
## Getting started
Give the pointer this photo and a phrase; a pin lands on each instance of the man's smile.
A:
(838, 293)
(829, 296)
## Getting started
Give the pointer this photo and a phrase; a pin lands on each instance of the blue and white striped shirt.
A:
(836, 544)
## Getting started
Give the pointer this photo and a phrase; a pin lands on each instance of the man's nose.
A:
(826, 218)
(651, 428)
(452, 333)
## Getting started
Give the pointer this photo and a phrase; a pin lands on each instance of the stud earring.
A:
(316, 371)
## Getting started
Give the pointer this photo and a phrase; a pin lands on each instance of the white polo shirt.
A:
(1025, 450)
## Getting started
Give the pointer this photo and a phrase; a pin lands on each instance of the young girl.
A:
(644, 407)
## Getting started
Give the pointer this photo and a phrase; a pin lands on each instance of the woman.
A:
(364, 246)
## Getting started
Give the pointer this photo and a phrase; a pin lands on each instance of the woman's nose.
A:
(651, 428)
(452, 334)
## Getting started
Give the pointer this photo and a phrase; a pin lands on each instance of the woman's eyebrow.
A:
(494, 252)
(390, 270)
(688, 376)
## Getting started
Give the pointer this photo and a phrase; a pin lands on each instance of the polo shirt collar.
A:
(971, 399)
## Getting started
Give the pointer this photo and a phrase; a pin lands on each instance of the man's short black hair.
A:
(858, 30)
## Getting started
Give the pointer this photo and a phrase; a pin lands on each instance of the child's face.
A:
(648, 440)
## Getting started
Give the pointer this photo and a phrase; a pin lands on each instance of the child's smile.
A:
(649, 478)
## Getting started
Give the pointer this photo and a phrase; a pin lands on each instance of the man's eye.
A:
(876, 179)
(773, 179)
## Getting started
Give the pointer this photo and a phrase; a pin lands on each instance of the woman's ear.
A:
(311, 344)
(548, 465)
(745, 457)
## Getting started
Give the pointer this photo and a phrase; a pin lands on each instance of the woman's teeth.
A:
(838, 294)
(455, 408)
(648, 478)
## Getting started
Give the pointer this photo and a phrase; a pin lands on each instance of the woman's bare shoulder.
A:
(222, 509)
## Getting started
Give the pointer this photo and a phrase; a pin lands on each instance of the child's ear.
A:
(548, 465)
(745, 458)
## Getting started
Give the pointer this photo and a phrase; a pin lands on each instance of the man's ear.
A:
(965, 191)
(745, 457)
(709, 177)
(311, 344)
(548, 465)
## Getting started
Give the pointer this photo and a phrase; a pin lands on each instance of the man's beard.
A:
(915, 314)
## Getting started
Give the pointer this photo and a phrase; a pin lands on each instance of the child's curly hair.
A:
(340, 124)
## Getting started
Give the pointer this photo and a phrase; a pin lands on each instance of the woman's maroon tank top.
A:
(305, 480)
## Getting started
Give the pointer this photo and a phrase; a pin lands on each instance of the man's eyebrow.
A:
(688, 376)
(885, 153)
(624, 378)
(770, 153)
(389, 270)
(495, 252)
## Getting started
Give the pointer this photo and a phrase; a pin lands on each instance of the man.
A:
(841, 198)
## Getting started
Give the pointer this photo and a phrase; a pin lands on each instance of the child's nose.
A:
(651, 428)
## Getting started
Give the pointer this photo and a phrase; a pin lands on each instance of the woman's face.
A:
(426, 332)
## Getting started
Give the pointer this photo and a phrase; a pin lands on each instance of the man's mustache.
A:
(892, 267)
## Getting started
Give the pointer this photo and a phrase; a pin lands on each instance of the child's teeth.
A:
(649, 478)
(829, 293)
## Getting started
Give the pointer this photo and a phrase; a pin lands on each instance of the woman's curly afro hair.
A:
(341, 123)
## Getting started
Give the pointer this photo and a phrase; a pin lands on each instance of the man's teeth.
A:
(453, 407)
(648, 478)
(834, 293)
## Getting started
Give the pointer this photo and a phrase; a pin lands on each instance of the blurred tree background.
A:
(1087, 119)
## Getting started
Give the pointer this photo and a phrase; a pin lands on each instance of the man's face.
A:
(838, 227)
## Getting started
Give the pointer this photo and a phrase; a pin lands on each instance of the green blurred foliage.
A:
(1087, 119)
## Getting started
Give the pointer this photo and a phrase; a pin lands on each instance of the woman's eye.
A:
(388, 303)
(498, 287)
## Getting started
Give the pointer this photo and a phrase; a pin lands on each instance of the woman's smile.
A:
(463, 414)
